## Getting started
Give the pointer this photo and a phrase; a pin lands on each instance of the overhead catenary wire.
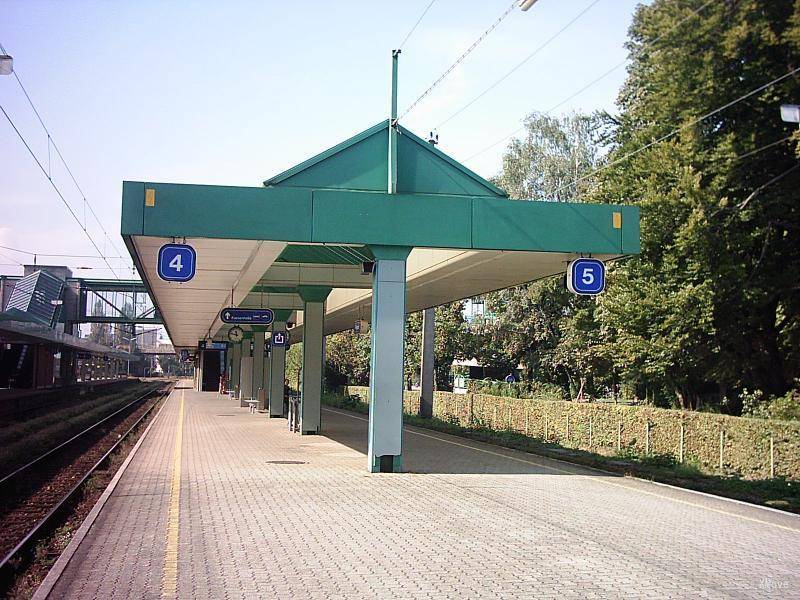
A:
(57, 190)
(49, 255)
(51, 142)
(677, 130)
(16, 262)
(760, 149)
(538, 49)
(422, 16)
(692, 14)
(460, 59)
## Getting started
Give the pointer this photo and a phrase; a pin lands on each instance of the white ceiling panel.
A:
(224, 267)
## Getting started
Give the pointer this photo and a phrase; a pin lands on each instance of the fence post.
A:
(680, 449)
(471, 415)
(567, 426)
(510, 420)
(526, 420)
(494, 417)
(591, 429)
(546, 433)
(771, 456)
(721, 447)
(619, 436)
(647, 439)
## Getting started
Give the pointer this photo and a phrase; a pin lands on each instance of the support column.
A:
(198, 370)
(386, 361)
(236, 368)
(426, 376)
(278, 365)
(313, 357)
(258, 364)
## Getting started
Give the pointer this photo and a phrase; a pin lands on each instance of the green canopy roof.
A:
(359, 163)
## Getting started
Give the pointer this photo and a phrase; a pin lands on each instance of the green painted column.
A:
(258, 363)
(313, 356)
(386, 361)
(236, 368)
(278, 364)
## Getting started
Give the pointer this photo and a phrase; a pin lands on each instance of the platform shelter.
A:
(373, 228)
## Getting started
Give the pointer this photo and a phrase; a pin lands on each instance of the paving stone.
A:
(467, 520)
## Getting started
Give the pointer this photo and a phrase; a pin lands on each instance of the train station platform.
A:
(221, 503)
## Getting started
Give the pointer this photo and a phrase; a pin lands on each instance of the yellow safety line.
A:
(169, 580)
(594, 477)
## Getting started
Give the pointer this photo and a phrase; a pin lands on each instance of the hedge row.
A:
(716, 444)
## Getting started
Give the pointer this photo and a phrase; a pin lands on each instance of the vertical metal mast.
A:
(392, 183)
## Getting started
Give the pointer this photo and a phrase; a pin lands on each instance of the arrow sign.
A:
(247, 316)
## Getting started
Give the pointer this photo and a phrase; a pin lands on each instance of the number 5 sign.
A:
(586, 276)
(176, 262)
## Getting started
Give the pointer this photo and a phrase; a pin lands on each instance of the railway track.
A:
(36, 497)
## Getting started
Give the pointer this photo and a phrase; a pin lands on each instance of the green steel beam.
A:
(348, 217)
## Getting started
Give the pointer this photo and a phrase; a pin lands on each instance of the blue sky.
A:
(234, 92)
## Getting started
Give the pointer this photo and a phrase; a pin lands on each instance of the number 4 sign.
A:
(586, 276)
(176, 262)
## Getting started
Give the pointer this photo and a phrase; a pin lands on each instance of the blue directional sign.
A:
(280, 339)
(184, 355)
(176, 262)
(586, 276)
(249, 316)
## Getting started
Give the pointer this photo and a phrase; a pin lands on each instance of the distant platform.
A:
(219, 503)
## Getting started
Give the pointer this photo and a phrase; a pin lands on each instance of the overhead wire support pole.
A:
(392, 183)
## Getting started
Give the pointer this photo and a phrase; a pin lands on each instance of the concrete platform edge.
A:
(55, 572)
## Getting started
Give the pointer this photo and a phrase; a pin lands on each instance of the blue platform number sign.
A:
(279, 339)
(176, 262)
(184, 355)
(586, 276)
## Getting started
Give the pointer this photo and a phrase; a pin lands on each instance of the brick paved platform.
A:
(261, 513)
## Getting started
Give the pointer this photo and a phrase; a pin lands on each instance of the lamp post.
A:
(790, 113)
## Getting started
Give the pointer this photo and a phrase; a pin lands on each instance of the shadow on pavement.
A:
(432, 452)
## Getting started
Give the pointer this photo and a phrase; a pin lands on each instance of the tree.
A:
(347, 358)
(529, 324)
(716, 283)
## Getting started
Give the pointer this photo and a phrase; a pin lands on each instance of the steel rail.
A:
(73, 438)
(32, 533)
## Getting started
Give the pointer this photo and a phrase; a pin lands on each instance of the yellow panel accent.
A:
(617, 220)
(150, 197)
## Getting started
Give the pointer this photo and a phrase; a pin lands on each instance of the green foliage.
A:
(711, 304)
(525, 389)
(648, 435)
(347, 358)
(786, 407)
